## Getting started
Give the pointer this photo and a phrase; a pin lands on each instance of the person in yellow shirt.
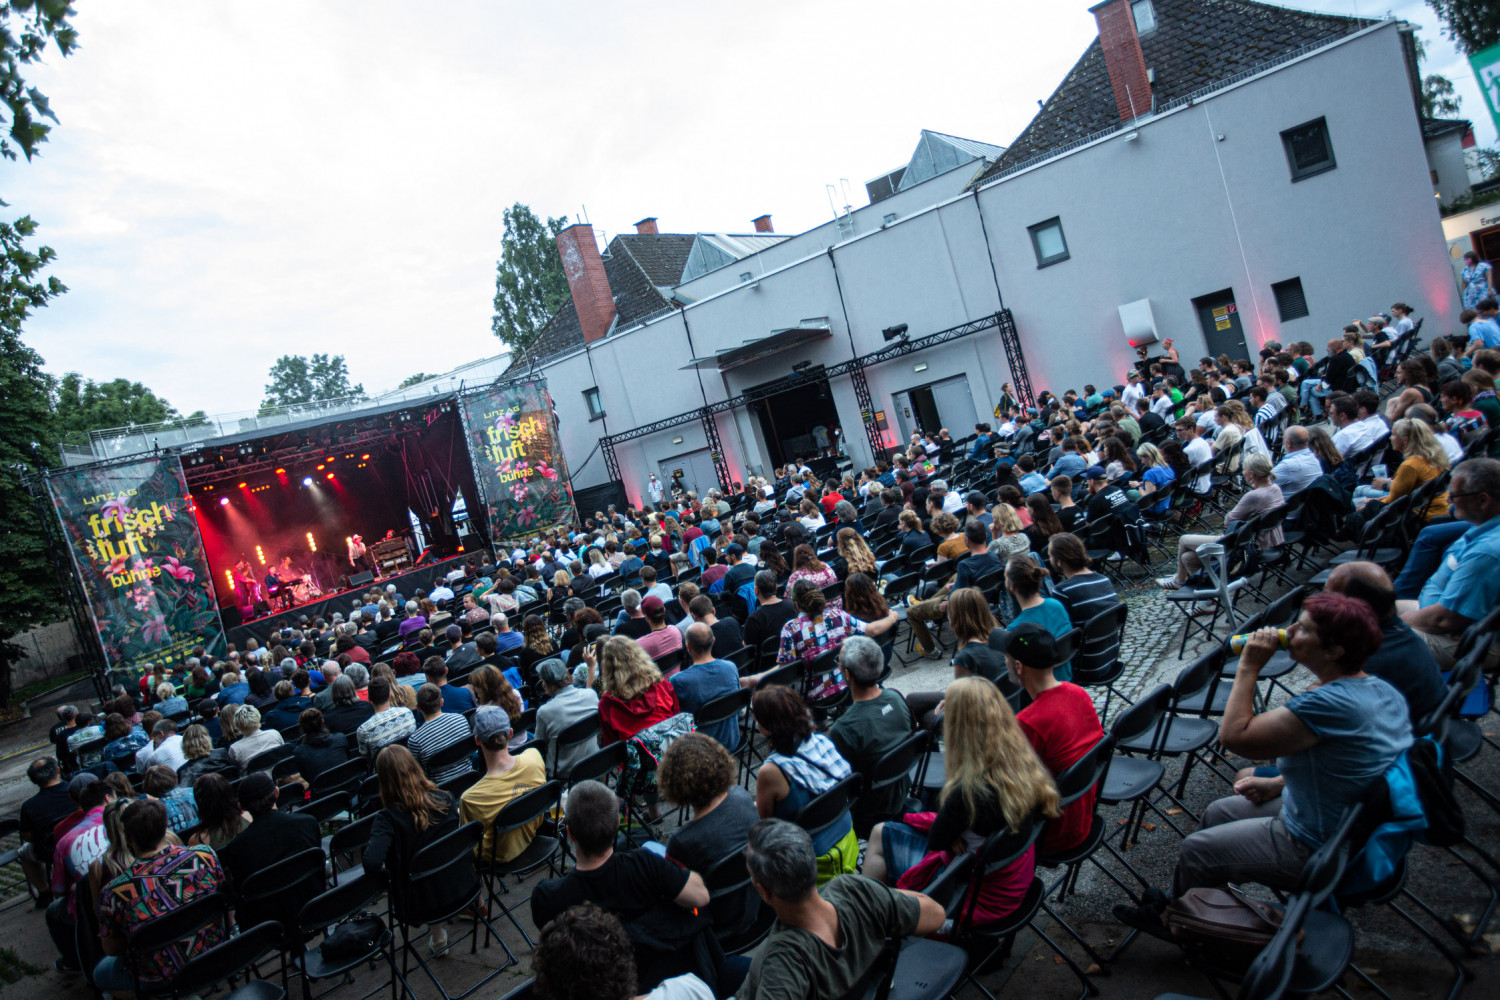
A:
(505, 779)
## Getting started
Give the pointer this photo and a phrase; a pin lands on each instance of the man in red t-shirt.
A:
(1060, 722)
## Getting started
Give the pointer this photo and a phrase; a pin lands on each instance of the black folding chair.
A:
(440, 883)
(582, 731)
(321, 914)
(533, 807)
(891, 776)
(739, 918)
(828, 809)
(273, 893)
(231, 959)
(178, 928)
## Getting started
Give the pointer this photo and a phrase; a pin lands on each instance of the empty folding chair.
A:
(529, 809)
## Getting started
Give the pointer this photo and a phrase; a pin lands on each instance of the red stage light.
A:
(281, 472)
(328, 459)
(330, 475)
(322, 467)
(364, 458)
(242, 485)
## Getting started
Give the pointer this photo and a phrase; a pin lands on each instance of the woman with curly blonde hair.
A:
(635, 695)
(856, 554)
(995, 782)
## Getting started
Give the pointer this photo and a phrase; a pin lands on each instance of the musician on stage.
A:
(359, 555)
(276, 593)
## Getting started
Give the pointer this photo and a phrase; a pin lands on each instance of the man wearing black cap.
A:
(1105, 499)
(273, 834)
(740, 572)
(1060, 722)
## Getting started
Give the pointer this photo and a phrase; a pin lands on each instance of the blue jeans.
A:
(1426, 554)
(1312, 392)
(111, 975)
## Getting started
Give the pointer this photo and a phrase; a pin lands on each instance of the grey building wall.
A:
(1172, 214)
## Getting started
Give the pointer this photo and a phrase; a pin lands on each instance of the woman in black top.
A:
(415, 813)
(318, 750)
(261, 695)
(348, 712)
(911, 534)
(969, 615)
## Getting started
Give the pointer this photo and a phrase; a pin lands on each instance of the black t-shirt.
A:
(739, 574)
(982, 661)
(274, 837)
(43, 811)
(727, 637)
(347, 718)
(1071, 517)
(634, 628)
(628, 885)
(767, 620)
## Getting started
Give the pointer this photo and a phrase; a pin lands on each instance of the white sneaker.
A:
(437, 941)
(1168, 583)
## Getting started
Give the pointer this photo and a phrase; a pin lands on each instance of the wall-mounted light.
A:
(677, 440)
(920, 367)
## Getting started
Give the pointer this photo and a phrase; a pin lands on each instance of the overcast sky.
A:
(234, 181)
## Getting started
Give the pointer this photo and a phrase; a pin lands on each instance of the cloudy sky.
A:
(234, 181)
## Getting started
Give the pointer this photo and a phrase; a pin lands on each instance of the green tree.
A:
(296, 379)
(1473, 24)
(529, 281)
(28, 583)
(412, 380)
(1438, 97)
(84, 405)
(25, 28)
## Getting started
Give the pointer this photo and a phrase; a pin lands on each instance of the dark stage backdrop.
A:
(307, 513)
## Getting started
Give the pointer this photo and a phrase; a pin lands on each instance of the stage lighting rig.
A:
(895, 332)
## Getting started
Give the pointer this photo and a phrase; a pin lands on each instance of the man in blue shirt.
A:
(705, 680)
(982, 443)
(1032, 481)
(1466, 586)
(1484, 332)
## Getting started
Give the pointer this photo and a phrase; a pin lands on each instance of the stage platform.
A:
(424, 576)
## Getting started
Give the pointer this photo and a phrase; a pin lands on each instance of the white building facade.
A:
(1277, 205)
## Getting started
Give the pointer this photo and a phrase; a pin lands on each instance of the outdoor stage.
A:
(424, 576)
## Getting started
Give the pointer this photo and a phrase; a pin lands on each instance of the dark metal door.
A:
(1220, 318)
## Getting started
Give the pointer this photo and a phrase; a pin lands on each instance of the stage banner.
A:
(135, 546)
(518, 462)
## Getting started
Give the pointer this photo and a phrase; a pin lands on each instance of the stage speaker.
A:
(231, 615)
(362, 579)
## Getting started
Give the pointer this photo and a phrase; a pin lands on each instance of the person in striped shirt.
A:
(1085, 594)
(439, 731)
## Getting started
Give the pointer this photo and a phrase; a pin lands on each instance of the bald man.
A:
(1403, 658)
(1298, 466)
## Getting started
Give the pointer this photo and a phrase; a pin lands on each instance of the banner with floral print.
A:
(518, 463)
(136, 548)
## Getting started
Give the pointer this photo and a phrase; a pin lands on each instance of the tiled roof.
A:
(1195, 44)
(1432, 128)
(636, 264)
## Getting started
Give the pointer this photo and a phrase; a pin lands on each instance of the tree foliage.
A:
(84, 405)
(529, 281)
(1439, 100)
(25, 28)
(412, 380)
(317, 379)
(28, 583)
(1473, 24)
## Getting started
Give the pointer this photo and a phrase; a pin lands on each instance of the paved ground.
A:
(1396, 957)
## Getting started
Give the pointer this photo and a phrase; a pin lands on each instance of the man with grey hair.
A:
(875, 722)
(823, 943)
(165, 748)
(631, 620)
(566, 703)
(323, 700)
(705, 679)
(1298, 466)
(413, 623)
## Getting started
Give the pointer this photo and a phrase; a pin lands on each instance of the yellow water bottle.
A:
(1237, 642)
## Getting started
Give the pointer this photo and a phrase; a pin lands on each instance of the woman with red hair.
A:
(1329, 744)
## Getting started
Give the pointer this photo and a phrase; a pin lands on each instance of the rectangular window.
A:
(596, 408)
(1048, 241)
(1145, 16)
(1309, 150)
(1290, 301)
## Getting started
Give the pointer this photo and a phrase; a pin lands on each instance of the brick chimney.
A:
(587, 281)
(1123, 58)
(646, 227)
(763, 224)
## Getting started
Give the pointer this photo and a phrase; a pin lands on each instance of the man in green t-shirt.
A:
(823, 944)
(871, 727)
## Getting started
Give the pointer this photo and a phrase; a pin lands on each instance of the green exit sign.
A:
(1486, 66)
